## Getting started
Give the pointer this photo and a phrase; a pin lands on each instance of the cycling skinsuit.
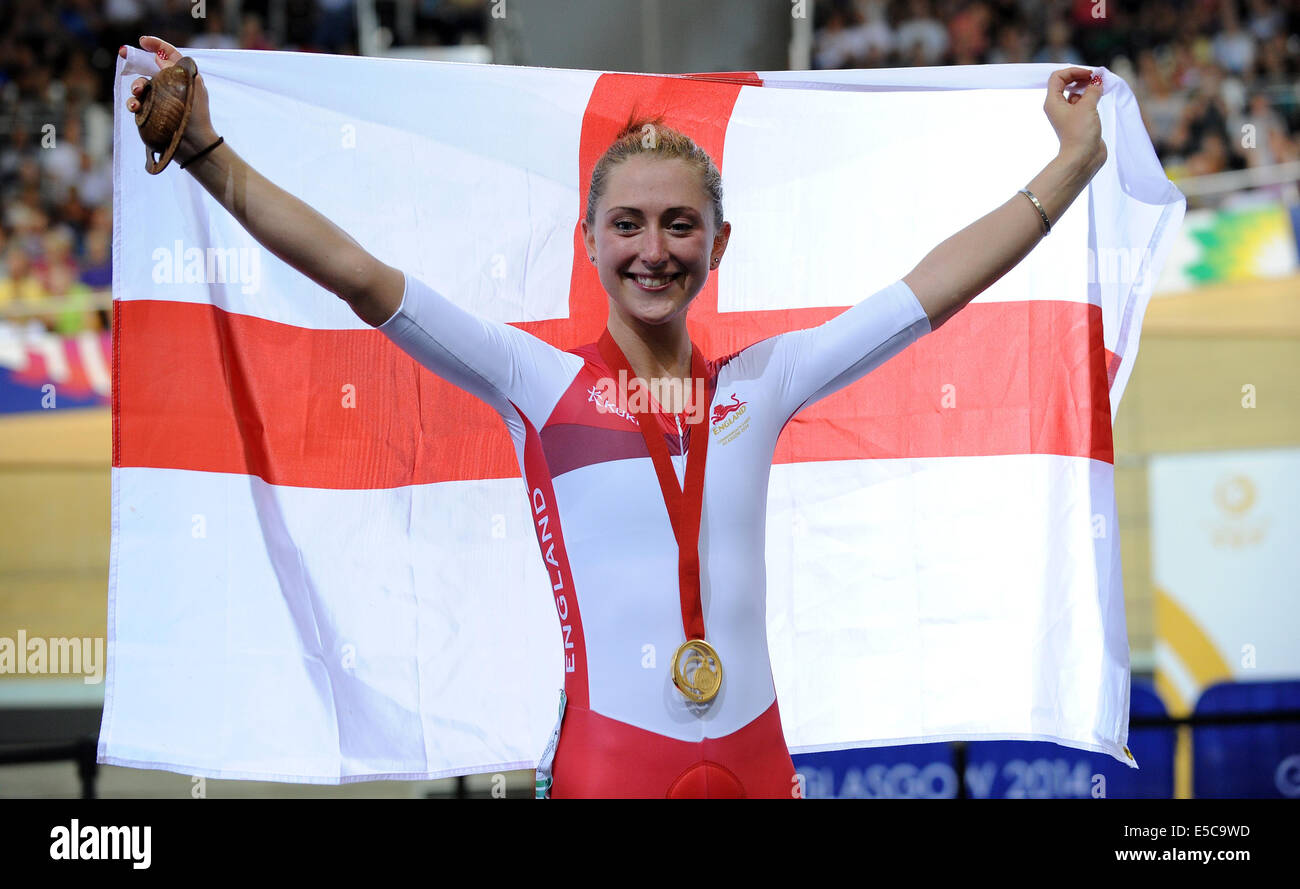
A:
(626, 730)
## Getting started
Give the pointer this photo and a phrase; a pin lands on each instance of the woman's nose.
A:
(652, 248)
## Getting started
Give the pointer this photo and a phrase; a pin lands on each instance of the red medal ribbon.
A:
(684, 507)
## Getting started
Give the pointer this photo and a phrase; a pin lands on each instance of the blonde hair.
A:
(649, 135)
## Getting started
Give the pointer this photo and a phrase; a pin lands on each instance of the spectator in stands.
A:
(1266, 19)
(1058, 50)
(175, 16)
(1212, 156)
(20, 283)
(1013, 46)
(81, 20)
(97, 257)
(1234, 47)
(1202, 116)
(921, 39)
(839, 42)
(1161, 108)
(25, 215)
(124, 19)
(80, 83)
(1278, 66)
(20, 152)
(251, 35)
(56, 262)
(61, 161)
(1269, 142)
(76, 314)
(1187, 69)
(97, 266)
(94, 182)
(877, 37)
(968, 34)
(214, 34)
(73, 213)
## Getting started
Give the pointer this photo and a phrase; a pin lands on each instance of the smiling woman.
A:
(651, 520)
(654, 228)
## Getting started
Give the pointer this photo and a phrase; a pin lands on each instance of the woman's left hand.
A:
(1075, 119)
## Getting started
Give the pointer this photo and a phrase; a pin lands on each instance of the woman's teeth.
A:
(653, 283)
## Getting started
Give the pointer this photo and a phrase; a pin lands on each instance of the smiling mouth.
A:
(654, 283)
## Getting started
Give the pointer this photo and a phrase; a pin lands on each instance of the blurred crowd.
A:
(57, 59)
(1217, 81)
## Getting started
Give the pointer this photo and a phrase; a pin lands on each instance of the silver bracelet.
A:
(1047, 225)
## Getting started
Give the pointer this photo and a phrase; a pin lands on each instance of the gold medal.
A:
(697, 670)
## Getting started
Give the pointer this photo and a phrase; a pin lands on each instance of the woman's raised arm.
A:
(280, 222)
(962, 267)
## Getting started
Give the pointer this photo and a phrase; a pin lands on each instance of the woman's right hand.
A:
(199, 133)
(281, 222)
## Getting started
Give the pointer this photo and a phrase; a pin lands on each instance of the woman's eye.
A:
(679, 227)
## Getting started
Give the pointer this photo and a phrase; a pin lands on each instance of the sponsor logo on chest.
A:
(597, 395)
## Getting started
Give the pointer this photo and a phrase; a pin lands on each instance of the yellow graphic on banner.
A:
(1200, 659)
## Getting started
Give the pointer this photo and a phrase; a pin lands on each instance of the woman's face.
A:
(653, 239)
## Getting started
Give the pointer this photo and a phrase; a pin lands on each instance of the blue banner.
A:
(40, 370)
(999, 769)
(1259, 761)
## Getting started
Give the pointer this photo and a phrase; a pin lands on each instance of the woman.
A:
(656, 569)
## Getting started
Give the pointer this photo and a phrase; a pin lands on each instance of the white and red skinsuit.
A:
(609, 547)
